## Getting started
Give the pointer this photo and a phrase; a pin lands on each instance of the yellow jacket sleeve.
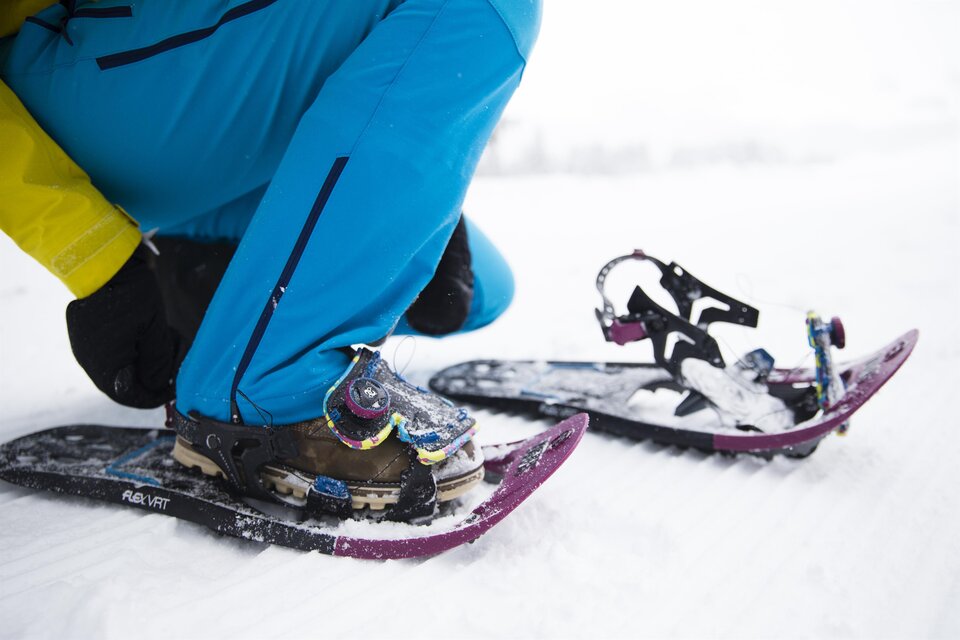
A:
(50, 209)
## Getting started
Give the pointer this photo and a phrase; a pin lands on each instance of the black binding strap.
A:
(660, 324)
(334, 500)
(418, 494)
(685, 289)
(647, 319)
(239, 451)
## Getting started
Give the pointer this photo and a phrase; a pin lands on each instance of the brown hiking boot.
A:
(381, 443)
(372, 476)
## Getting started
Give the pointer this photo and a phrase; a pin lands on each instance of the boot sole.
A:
(290, 482)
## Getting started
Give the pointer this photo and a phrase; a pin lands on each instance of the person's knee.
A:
(522, 19)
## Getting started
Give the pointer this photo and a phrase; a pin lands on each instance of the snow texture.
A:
(793, 155)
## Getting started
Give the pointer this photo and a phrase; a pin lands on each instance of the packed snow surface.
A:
(794, 155)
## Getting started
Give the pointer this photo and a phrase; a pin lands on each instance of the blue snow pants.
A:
(335, 137)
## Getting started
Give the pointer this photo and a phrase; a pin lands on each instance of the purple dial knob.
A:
(367, 399)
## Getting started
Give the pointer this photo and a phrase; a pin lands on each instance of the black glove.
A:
(120, 337)
(444, 304)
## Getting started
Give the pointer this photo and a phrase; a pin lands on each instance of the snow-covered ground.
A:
(794, 154)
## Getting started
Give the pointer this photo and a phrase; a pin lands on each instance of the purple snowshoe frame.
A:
(862, 378)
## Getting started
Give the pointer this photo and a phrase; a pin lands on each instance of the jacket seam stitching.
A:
(513, 34)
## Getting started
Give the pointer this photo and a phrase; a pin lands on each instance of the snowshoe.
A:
(133, 467)
(689, 395)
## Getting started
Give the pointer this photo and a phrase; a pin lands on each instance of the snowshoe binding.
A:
(683, 347)
(382, 445)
